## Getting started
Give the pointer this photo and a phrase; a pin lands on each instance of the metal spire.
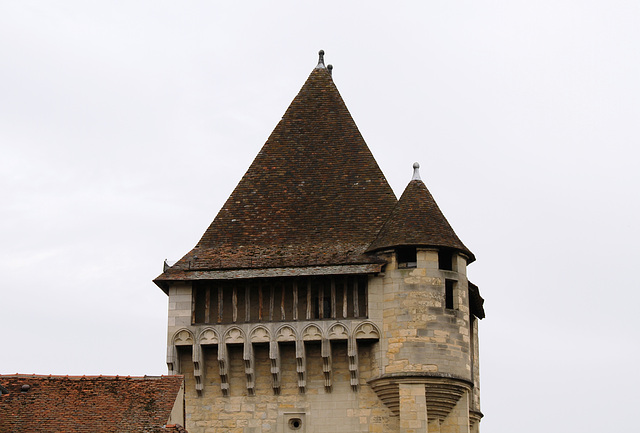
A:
(416, 171)
(320, 64)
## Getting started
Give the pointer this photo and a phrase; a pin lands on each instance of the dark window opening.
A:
(199, 302)
(449, 285)
(445, 260)
(407, 257)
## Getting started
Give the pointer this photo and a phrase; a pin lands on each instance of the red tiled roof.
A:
(417, 220)
(86, 403)
(313, 196)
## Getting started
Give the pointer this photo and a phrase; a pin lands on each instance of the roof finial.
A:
(416, 171)
(330, 68)
(320, 64)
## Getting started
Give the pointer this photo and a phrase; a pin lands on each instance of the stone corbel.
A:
(301, 366)
(249, 369)
(274, 356)
(326, 363)
(223, 363)
(198, 367)
(173, 361)
(352, 352)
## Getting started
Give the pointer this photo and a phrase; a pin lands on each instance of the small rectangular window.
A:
(407, 257)
(445, 260)
(448, 293)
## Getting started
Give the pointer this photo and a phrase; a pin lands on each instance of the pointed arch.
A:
(234, 335)
(208, 336)
(183, 337)
(338, 331)
(312, 332)
(260, 334)
(286, 333)
(366, 331)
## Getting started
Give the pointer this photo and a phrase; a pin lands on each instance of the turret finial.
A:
(330, 68)
(320, 64)
(416, 171)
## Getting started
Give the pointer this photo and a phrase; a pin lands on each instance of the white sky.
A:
(125, 125)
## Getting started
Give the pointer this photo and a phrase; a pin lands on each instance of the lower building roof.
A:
(96, 404)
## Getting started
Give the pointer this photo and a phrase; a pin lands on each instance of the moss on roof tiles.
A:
(314, 195)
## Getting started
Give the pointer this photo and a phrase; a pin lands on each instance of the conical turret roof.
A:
(416, 220)
(313, 196)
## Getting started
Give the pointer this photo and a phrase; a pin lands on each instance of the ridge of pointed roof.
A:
(313, 196)
(416, 220)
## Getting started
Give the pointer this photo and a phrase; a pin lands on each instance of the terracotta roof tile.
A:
(175, 428)
(86, 403)
(313, 196)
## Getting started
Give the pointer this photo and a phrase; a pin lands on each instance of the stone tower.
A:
(316, 301)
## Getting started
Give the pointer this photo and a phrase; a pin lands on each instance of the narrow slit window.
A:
(449, 285)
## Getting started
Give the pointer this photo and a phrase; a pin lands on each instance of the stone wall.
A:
(339, 410)
(419, 333)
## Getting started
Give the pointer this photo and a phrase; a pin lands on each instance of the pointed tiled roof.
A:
(416, 220)
(313, 196)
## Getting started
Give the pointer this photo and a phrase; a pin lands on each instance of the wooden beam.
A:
(321, 300)
(333, 297)
(283, 313)
(234, 300)
(220, 290)
(356, 308)
(194, 297)
(260, 300)
(345, 287)
(295, 300)
(207, 305)
(309, 299)
(247, 303)
(366, 297)
(271, 301)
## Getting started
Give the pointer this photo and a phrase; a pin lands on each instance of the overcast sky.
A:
(124, 126)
